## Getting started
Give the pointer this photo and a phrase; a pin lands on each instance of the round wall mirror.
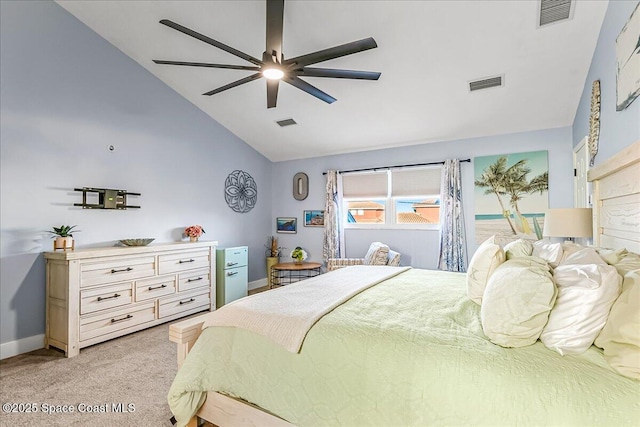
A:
(300, 186)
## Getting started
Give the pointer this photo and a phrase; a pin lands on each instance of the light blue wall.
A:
(419, 248)
(618, 129)
(66, 95)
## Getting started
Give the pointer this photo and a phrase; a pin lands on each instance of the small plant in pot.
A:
(63, 236)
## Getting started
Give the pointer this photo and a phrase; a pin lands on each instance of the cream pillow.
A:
(620, 337)
(585, 296)
(377, 254)
(550, 252)
(517, 301)
(628, 262)
(611, 256)
(518, 248)
(484, 261)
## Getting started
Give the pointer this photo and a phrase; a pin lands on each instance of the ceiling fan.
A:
(274, 67)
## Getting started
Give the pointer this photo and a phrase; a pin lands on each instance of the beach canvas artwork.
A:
(511, 196)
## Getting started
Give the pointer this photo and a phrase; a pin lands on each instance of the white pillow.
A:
(585, 296)
(484, 261)
(551, 252)
(569, 248)
(582, 256)
(620, 337)
(518, 248)
(377, 254)
(393, 259)
(517, 301)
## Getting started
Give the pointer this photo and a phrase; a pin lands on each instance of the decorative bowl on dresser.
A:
(97, 294)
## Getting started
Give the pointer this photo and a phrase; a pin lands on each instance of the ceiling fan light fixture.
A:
(273, 73)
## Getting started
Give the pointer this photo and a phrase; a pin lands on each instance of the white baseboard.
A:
(261, 283)
(23, 345)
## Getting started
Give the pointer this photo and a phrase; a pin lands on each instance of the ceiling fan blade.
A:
(210, 41)
(272, 92)
(311, 90)
(332, 52)
(234, 84)
(203, 64)
(338, 74)
(275, 12)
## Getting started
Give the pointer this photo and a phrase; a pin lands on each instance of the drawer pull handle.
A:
(112, 296)
(184, 262)
(120, 271)
(187, 301)
(231, 273)
(127, 317)
(194, 280)
(231, 264)
(151, 288)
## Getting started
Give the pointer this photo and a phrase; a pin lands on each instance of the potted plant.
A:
(63, 237)
(298, 255)
(273, 255)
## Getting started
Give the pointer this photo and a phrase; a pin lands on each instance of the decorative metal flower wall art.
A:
(240, 191)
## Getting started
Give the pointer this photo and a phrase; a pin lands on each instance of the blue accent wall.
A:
(419, 248)
(618, 129)
(66, 95)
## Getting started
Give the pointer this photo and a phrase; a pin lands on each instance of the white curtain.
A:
(452, 239)
(333, 239)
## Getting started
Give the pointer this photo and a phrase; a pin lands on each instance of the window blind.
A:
(372, 185)
(415, 182)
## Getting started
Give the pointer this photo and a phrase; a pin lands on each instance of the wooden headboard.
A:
(616, 200)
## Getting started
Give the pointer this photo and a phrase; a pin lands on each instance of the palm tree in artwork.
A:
(492, 179)
(517, 186)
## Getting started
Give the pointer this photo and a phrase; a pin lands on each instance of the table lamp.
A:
(568, 223)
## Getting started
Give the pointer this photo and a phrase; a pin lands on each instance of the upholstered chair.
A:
(378, 254)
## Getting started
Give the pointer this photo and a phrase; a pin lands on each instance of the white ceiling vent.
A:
(486, 83)
(286, 122)
(551, 11)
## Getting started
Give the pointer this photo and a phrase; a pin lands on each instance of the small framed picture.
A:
(314, 218)
(286, 225)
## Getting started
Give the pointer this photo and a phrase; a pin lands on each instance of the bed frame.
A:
(616, 221)
(616, 200)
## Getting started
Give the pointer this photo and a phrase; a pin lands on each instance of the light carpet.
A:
(132, 373)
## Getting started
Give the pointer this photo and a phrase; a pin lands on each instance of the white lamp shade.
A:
(568, 222)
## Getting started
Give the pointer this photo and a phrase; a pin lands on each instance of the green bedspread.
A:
(407, 352)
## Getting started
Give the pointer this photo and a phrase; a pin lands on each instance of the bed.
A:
(406, 349)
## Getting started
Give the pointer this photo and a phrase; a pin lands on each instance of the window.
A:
(403, 198)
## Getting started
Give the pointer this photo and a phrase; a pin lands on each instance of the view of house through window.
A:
(407, 197)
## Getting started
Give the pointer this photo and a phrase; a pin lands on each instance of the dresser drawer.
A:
(193, 280)
(180, 303)
(183, 261)
(116, 320)
(104, 297)
(156, 287)
(120, 270)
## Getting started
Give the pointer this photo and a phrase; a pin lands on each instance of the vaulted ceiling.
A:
(428, 51)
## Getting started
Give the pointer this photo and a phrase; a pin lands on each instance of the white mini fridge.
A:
(232, 276)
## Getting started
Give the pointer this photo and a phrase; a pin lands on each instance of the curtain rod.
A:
(397, 166)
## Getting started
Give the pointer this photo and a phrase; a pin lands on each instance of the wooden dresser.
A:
(97, 294)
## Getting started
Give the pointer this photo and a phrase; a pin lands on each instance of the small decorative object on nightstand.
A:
(298, 255)
(194, 232)
(63, 237)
